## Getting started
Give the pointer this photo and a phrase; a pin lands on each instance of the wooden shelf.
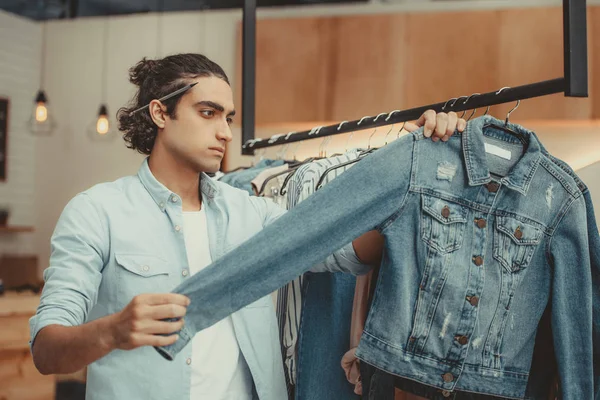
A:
(16, 229)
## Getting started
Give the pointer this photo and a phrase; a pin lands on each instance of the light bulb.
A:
(41, 112)
(102, 125)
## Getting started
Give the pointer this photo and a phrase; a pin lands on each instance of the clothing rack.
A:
(574, 83)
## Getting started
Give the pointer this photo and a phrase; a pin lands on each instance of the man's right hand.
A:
(140, 322)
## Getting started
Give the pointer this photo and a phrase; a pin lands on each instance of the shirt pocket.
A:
(141, 273)
(515, 242)
(442, 223)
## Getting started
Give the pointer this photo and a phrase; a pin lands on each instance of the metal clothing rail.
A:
(573, 84)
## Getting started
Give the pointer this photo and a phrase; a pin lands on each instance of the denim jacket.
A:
(120, 239)
(482, 277)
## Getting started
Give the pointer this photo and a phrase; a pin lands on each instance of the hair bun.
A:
(140, 71)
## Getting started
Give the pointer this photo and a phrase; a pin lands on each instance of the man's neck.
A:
(178, 179)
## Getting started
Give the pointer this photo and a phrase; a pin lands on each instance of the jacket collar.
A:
(160, 193)
(520, 176)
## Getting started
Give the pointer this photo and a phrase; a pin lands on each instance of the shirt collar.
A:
(161, 195)
(520, 176)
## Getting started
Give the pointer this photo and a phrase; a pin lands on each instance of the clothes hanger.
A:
(474, 110)
(281, 156)
(361, 155)
(283, 190)
(351, 134)
(369, 149)
(505, 127)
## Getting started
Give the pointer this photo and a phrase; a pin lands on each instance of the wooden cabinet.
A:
(19, 379)
(344, 67)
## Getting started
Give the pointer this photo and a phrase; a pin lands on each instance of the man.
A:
(120, 247)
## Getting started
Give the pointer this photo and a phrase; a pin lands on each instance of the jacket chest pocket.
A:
(442, 223)
(515, 242)
(138, 274)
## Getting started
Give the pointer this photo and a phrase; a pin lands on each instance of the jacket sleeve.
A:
(573, 300)
(594, 246)
(343, 260)
(368, 196)
(73, 276)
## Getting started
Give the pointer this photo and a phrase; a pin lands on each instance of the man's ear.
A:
(157, 113)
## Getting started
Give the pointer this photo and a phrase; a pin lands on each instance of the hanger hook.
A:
(445, 104)
(388, 134)
(474, 110)
(390, 115)
(341, 124)
(362, 119)
(377, 117)
(510, 112)
(457, 99)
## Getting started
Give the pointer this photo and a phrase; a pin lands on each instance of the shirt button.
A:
(448, 377)
(174, 199)
(446, 393)
(177, 228)
(462, 340)
(184, 272)
(481, 223)
(478, 261)
(446, 212)
(188, 361)
(518, 233)
(146, 268)
(492, 187)
(162, 205)
(474, 300)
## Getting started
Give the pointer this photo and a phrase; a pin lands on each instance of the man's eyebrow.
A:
(216, 106)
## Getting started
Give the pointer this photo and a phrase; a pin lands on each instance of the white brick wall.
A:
(19, 80)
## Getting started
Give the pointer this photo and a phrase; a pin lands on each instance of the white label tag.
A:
(498, 151)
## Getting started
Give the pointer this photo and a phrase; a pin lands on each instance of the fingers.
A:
(163, 298)
(410, 127)
(462, 125)
(159, 327)
(166, 311)
(428, 121)
(440, 127)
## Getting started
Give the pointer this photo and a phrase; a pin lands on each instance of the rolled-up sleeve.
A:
(74, 272)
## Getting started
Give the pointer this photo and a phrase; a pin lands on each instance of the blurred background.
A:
(64, 74)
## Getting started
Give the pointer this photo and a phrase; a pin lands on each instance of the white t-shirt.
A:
(219, 370)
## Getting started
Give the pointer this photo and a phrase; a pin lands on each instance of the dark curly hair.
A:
(155, 79)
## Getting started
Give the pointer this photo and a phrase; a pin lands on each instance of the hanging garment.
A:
(257, 182)
(242, 179)
(471, 263)
(323, 335)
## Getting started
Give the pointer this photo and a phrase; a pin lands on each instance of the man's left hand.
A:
(438, 126)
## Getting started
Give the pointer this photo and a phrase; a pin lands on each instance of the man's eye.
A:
(207, 113)
(230, 120)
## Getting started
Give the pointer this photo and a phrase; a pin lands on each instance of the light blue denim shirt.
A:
(489, 284)
(120, 239)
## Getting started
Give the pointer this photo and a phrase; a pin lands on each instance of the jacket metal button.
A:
(448, 377)
(478, 261)
(446, 393)
(518, 233)
(474, 300)
(446, 212)
(492, 187)
(481, 223)
(462, 340)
